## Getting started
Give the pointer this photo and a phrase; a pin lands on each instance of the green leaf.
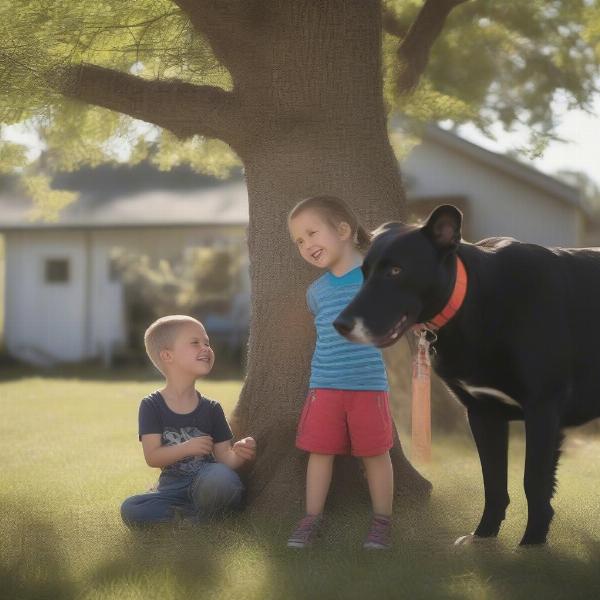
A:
(47, 202)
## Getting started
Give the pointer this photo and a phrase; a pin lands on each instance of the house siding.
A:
(43, 319)
(85, 317)
(500, 204)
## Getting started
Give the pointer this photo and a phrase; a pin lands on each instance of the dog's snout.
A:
(344, 325)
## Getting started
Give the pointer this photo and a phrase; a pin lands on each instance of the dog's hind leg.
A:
(543, 438)
(490, 431)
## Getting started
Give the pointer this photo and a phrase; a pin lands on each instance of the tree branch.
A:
(230, 26)
(415, 47)
(391, 24)
(180, 107)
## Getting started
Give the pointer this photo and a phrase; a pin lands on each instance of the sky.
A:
(580, 152)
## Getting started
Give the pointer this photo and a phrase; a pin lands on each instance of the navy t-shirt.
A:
(206, 419)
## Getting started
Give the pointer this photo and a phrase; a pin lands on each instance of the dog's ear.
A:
(443, 227)
(395, 226)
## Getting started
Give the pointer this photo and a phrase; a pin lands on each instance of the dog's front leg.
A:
(543, 438)
(490, 431)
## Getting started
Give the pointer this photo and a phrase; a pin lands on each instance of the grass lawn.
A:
(70, 455)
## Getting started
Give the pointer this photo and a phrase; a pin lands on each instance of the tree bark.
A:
(362, 170)
(326, 133)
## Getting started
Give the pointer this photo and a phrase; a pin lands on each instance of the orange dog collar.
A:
(456, 299)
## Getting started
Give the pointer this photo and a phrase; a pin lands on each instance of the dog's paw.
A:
(471, 538)
(531, 542)
(465, 540)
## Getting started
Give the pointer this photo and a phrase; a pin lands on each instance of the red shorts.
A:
(353, 422)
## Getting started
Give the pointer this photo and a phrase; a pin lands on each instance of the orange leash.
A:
(421, 368)
(421, 401)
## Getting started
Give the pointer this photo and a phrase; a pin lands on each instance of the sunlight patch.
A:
(472, 586)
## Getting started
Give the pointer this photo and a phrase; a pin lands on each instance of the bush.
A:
(201, 282)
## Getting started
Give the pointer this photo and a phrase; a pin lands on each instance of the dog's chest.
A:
(475, 369)
(475, 376)
(482, 391)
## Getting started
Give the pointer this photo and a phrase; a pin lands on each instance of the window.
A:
(114, 272)
(57, 270)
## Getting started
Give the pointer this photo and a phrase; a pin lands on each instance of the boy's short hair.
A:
(161, 334)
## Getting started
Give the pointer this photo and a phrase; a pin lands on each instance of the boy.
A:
(184, 433)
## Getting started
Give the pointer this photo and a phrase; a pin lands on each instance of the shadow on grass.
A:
(248, 557)
(32, 565)
(425, 564)
(160, 561)
(37, 562)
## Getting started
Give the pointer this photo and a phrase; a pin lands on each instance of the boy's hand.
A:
(200, 446)
(245, 448)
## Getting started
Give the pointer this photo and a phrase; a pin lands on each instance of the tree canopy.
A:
(480, 61)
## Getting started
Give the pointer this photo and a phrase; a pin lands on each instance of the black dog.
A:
(522, 345)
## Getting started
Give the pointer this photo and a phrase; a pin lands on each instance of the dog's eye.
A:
(394, 271)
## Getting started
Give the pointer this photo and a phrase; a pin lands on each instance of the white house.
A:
(498, 195)
(63, 303)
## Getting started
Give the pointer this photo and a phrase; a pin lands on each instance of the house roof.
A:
(507, 165)
(112, 196)
(141, 196)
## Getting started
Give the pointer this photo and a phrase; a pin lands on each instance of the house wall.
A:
(83, 318)
(499, 204)
(45, 321)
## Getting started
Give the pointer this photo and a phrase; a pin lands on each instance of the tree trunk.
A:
(323, 130)
(306, 116)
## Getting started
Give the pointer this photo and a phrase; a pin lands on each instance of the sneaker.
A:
(380, 534)
(305, 532)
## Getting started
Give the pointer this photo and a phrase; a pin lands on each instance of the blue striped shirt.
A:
(336, 362)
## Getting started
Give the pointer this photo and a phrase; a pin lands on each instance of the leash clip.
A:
(426, 339)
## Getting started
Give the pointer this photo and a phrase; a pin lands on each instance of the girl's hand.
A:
(245, 448)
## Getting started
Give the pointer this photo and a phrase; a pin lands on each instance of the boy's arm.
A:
(235, 456)
(232, 456)
(157, 455)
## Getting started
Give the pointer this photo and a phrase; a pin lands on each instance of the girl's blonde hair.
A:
(334, 211)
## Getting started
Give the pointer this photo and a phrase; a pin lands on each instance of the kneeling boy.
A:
(184, 433)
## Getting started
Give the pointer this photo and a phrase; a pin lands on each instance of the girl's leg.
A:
(322, 428)
(380, 476)
(381, 485)
(318, 480)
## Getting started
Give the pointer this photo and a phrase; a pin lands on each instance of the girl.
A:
(347, 409)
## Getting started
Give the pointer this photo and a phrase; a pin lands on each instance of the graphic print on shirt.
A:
(172, 436)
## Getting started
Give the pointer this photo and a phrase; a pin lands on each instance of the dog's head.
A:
(406, 276)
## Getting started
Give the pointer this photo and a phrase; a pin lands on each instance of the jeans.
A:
(212, 491)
